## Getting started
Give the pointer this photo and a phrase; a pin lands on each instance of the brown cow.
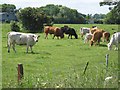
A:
(106, 36)
(53, 30)
(96, 37)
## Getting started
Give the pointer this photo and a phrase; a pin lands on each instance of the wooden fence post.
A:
(107, 55)
(20, 72)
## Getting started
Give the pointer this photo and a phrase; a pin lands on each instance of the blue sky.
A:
(82, 6)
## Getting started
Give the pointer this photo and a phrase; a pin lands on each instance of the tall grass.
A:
(60, 63)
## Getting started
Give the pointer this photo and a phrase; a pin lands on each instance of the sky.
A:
(82, 6)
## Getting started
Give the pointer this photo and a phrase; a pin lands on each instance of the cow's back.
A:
(84, 30)
(92, 30)
(57, 31)
(17, 38)
(49, 29)
(96, 35)
(117, 37)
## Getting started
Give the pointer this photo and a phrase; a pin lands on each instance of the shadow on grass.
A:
(103, 45)
(41, 52)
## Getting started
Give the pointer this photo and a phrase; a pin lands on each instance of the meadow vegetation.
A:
(60, 63)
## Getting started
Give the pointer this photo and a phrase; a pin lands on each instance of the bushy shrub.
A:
(14, 26)
(32, 20)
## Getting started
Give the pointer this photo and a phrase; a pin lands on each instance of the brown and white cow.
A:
(96, 37)
(106, 36)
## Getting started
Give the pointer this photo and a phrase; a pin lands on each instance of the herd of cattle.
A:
(93, 35)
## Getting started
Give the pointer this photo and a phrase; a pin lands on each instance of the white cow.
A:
(21, 39)
(88, 37)
(84, 30)
(115, 40)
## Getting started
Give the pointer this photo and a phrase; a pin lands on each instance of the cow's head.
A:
(91, 42)
(109, 46)
(62, 36)
(76, 36)
(65, 29)
(35, 37)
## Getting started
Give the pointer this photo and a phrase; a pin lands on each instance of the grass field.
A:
(60, 63)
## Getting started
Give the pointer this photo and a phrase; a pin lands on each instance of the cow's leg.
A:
(107, 39)
(85, 40)
(31, 49)
(71, 36)
(103, 39)
(53, 36)
(68, 36)
(98, 41)
(82, 36)
(27, 49)
(9, 45)
(13, 46)
(46, 36)
(116, 46)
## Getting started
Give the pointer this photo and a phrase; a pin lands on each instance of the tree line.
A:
(34, 19)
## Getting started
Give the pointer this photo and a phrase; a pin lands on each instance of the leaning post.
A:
(85, 67)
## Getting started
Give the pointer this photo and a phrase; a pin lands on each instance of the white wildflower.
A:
(57, 86)
(108, 78)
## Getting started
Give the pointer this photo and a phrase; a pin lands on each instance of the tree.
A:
(8, 7)
(113, 17)
(62, 14)
(32, 20)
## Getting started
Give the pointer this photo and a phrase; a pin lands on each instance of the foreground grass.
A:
(60, 63)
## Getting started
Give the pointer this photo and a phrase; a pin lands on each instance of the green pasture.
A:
(59, 63)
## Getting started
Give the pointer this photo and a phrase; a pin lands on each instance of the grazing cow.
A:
(115, 40)
(96, 37)
(58, 33)
(84, 30)
(53, 30)
(21, 39)
(70, 31)
(88, 37)
(106, 36)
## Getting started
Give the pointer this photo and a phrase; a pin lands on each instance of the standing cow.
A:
(21, 39)
(84, 30)
(115, 40)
